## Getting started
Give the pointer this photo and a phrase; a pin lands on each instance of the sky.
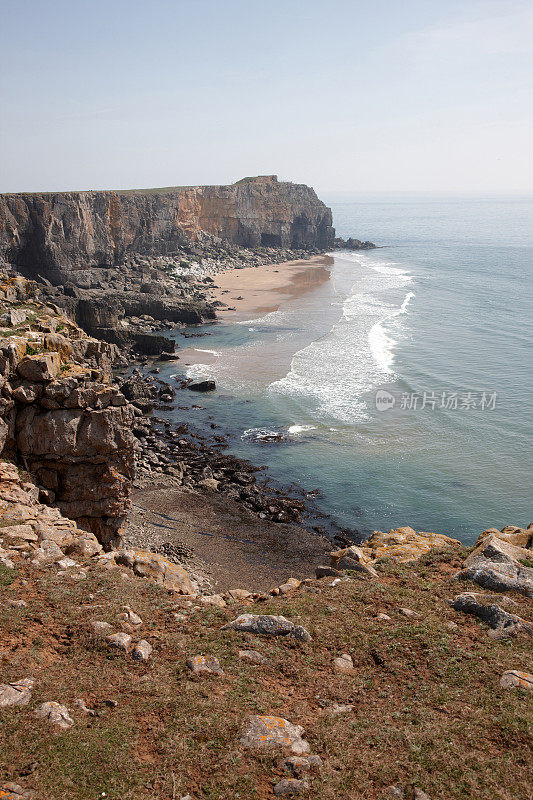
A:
(381, 96)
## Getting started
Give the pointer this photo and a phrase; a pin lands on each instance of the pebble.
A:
(254, 657)
(288, 786)
(343, 663)
(101, 627)
(408, 612)
(384, 618)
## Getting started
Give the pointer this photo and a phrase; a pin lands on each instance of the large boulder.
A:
(499, 564)
(405, 544)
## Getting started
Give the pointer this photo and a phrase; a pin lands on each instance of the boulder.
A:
(142, 651)
(39, 368)
(202, 386)
(405, 544)
(492, 614)
(497, 565)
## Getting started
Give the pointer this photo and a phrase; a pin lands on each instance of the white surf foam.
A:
(294, 430)
(335, 371)
(204, 350)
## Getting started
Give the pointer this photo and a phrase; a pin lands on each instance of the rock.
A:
(130, 617)
(17, 316)
(495, 617)
(56, 714)
(343, 663)
(290, 786)
(142, 651)
(290, 585)
(420, 795)
(205, 665)
(101, 628)
(66, 563)
(395, 791)
(405, 544)
(408, 612)
(23, 532)
(80, 704)
(514, 679)
(300, 764)
(158, 569)
(39, 368)
(353, 558)
(17, 603)
(496, 563)
(254, 657)
(327, 572)
(265, 732)
(209, 483)
(268, 625)
(12, 791)
(384, 618)
(202, 386)
(213, 600)
(119, 641)
(17, 693)
(240, 596)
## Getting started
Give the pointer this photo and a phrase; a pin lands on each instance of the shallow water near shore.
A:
(402, 388)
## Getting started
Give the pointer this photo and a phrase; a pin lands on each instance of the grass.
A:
(428, 710)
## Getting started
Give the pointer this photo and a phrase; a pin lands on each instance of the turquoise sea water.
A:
(440, 321)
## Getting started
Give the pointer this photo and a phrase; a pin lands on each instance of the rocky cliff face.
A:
(60, 417)
(47, 233)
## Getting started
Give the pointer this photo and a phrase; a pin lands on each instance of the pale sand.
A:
(262, 289)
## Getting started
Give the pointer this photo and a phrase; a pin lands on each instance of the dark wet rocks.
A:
(202, 386)
(268, 625)
(352, 244)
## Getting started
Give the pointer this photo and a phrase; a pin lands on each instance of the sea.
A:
(400, 391)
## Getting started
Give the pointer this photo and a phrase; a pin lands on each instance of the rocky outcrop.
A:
(502, 561)
(60, 416)
(352, 244)
(43, 233)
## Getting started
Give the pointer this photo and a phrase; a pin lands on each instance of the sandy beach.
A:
(260, 290)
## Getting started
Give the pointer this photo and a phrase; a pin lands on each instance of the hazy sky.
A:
(381, 95)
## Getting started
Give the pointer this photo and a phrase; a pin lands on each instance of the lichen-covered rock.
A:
(55, 714)
(404, 544)
(142, 651)
(17, 693)
(512, 678)
(266, 732)
(354, 558)
(497, 565)
(157, 568)
(268, 625)
(205, 665)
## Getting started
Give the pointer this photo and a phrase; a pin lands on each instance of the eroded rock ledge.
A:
(61, 419)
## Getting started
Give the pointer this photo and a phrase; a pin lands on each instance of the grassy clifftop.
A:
(421, 707)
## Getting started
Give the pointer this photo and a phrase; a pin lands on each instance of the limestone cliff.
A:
(45, 233)
(60, 416)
